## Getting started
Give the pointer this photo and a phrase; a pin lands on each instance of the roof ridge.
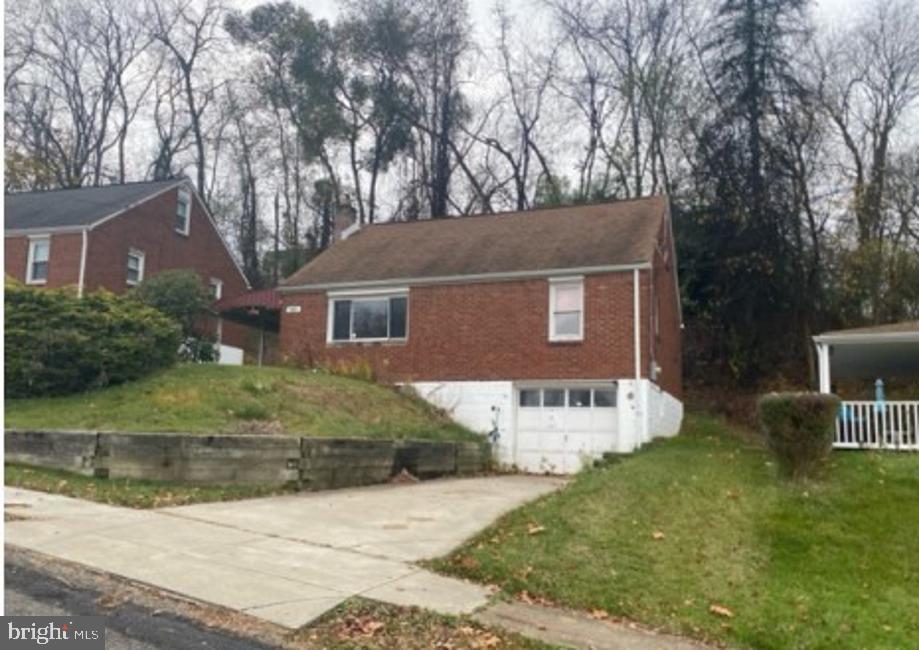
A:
(175, 179)
(396, 222)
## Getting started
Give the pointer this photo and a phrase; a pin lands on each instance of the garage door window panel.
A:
(530, 398)
(553, 398)
(605, 397)
(579, 398)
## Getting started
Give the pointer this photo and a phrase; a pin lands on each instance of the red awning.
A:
(269, 299)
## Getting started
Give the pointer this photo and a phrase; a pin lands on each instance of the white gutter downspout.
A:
(639, 392)
(83, 263)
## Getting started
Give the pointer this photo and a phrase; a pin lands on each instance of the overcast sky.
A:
(832, 11)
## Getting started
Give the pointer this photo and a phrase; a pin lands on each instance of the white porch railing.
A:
(874, 425)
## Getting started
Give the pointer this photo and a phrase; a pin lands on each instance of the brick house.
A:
(557, 330)
(114, 236)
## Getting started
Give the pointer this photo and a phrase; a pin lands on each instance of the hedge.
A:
(799, 430)
(57, 343)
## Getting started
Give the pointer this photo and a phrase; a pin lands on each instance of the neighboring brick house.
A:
(114, 236)
(558, 329)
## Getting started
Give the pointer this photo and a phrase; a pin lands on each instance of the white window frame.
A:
(139, 254)
(353, 296)
(30, 258)
(184, 198)
(216, 285)
(554, 284)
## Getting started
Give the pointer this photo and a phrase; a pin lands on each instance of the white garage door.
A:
(559, 428)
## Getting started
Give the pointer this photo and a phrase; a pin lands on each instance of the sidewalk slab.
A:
(285, 559)
(577, 630)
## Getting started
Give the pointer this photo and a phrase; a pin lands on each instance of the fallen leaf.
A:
(721, 610)
(657, 534)
(535, 529)
(599, 614)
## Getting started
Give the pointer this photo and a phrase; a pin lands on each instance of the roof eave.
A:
(506, 276)
(51, 230)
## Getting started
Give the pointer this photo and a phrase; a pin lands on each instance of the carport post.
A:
(823, 366)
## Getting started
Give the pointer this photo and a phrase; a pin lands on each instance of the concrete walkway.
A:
(578, 630)
(284, 559)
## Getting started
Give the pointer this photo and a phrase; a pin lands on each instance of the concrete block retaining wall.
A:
(312, 463)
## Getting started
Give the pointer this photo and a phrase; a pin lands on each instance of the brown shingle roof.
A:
(607, 234)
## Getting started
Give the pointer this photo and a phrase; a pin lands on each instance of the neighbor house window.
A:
(37, 265)
(566, 309)
(183, 212)
(368, 318)
(135, 266)
(216, 289)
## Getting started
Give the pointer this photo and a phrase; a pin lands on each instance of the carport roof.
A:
(890, 350)
(902, 331)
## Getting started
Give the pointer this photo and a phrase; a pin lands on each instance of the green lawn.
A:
(700, 521)
(242, 399)
(127, 492)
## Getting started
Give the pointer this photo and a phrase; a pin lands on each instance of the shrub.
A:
(57, 343)
(799, 430)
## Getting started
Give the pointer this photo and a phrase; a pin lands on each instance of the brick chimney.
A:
(344, 219)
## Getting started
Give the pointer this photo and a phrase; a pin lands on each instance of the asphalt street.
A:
(128, 627)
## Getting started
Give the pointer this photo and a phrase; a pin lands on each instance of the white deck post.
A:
(823, 366)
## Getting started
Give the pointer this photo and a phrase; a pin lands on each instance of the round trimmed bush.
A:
(799, 430)
(57, 343)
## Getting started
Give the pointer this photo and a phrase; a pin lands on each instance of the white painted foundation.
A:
(644, 412)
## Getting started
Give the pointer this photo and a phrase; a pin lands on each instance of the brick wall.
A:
(63, 261)
(150, 228)
(482, 331)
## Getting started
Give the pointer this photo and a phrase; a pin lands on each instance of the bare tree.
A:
(121, 38)
(526, 79)
(189, 32)
(67, 100)
(636, 49)
(871, 80)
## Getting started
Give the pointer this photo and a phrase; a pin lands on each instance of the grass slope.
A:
(702, 520)
(241, 399)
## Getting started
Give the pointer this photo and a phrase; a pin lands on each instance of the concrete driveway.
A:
(285, 559)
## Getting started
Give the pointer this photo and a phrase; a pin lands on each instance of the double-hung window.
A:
(135, 273)
(39, 254)
(566, 309)
(368, 318)
(183, 212)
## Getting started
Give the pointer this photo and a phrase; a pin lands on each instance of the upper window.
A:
(216, 288)
(371, 318)
(39, 254)
(183, 212)
(135, 273)
(566, 309)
